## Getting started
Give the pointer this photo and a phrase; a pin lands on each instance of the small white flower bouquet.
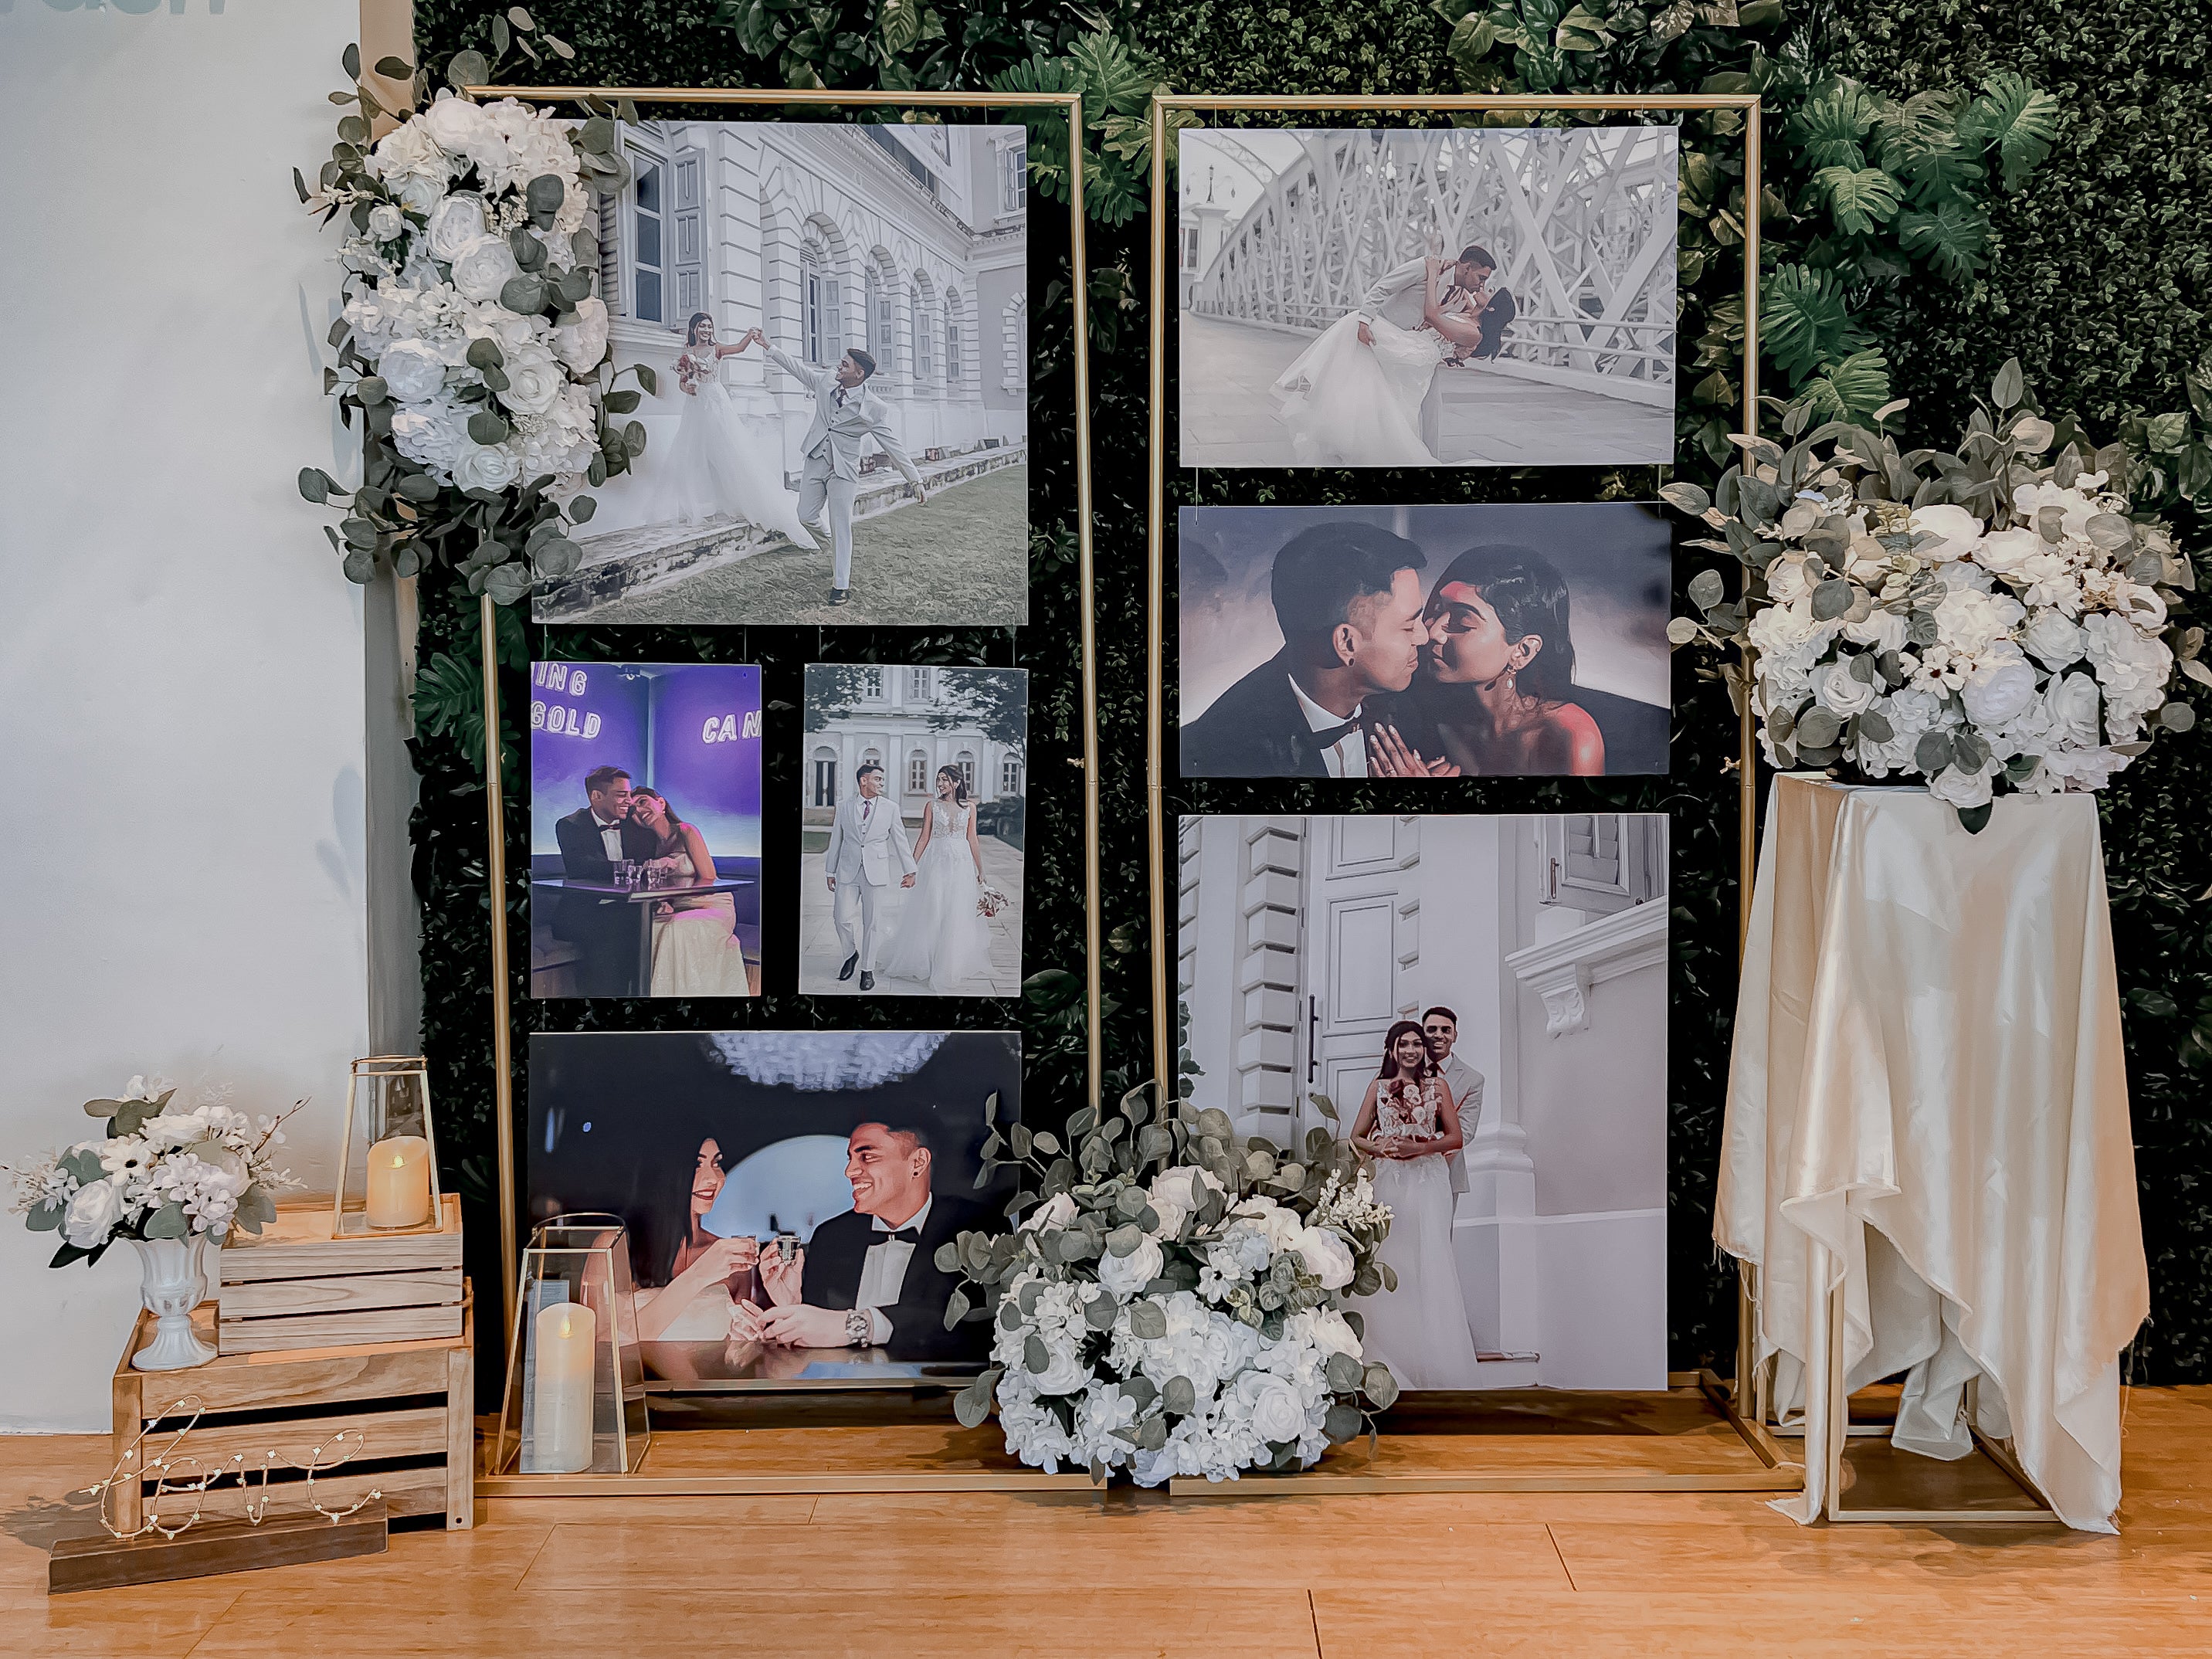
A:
(1980, 619)
(990, 902)
(1170, 1305)
(159, 1172)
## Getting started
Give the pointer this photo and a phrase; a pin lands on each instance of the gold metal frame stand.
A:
(1071, 104)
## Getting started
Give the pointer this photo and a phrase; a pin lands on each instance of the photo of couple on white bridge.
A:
(1491, 297)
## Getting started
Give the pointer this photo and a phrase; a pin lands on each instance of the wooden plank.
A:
(128, 1388)
(461, 1429)
(418, 1432)
(251, 1336)
(263, 1381)
(268, 1299)
(298, 1245)
(213, 1546)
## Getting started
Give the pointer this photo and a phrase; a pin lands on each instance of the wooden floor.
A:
(984, 1573)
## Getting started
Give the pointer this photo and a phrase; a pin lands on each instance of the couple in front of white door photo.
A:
(1482, 1003)
(1377, 297)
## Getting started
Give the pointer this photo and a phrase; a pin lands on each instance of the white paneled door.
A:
(1363, 928)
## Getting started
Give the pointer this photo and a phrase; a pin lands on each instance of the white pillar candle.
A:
(560, 1398)
(399, 1182)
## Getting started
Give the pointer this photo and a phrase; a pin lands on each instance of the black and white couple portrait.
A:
(784, 1191)
(645, 829)
(914, 809)
(835, 319)
(1482, 1000)
(1458, 297)
(1437, 641)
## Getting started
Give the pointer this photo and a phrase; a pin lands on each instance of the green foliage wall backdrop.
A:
(1917, 236)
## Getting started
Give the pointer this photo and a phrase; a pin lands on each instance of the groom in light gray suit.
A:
(846, 415)
(863, 835)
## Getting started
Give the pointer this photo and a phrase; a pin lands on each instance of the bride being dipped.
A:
(715, 467)
(1407, 1123)
(943, 938)
(1353, 396)
(695, 949)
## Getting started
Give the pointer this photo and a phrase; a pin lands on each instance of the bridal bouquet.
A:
(470, 342)
(1983, 619)
(1170, 1305)
(990, 902)
(158, 1172)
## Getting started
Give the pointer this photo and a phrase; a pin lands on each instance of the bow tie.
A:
(1329, 736)
(908, 1234)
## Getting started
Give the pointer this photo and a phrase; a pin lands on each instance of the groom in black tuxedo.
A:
(1347, 598)
(869, 1277)
(603, 930)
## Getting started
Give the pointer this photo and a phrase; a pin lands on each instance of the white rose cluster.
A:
(434, 263)
(2027, 651)
(1236, 1367)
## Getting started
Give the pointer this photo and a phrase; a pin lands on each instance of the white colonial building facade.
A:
(908, 242)
(901, 720)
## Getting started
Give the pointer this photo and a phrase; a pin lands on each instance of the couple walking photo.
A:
(1452, 298)
(1423, 643)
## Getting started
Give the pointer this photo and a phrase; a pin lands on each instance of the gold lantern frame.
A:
(603, 1261)
(377, 1070)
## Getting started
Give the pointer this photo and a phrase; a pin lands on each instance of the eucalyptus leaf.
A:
(1933, 752)
(170, 1221)
(1379, 1386)
(955, 1308)
(1148, 1320)
(45, 1217)
(1179, 1398)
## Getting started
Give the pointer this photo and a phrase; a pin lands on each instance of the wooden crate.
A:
(294, 1286)
(414, 1399)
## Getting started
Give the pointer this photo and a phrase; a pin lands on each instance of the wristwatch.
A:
(856, 1327)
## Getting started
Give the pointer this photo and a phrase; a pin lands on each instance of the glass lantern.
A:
(388, 1161)
(576, 1382)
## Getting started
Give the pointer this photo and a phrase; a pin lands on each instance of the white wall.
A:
(184, 887)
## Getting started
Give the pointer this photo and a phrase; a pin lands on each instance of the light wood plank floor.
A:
(986, 1574)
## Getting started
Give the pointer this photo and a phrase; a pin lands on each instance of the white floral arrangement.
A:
(160, 1171)
(1172, 1302)
(1982, 619)
(470, 342)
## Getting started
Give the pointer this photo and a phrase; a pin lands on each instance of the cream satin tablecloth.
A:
(1927, 1098)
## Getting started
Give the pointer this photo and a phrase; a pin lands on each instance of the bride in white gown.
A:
(1407, 1123)
(1353, 396)
(944, 938)
(696, 951)
(715, 467)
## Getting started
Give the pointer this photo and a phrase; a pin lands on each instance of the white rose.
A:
(483, 267)
(91, 1214)
(1955, 529)
(387, 224)
(1880, 630)
(454, 123)
(533, 381)
(414, 372)
(582, 344)
(486, 467)
(2076, 509)
(1125, 1276)
(1786, 581)
(1331, 1332)
(1272, 1406)
(1065, 1374)
(2004, 550)
(454, 223)
(1279, 1225)
(2054, 639)
(1964, 790)
(1055, 1211)
(1996, 692)
(1326, 1255)
(419, 193)
(2075, 703)
(407, 156)
(431, 435)
(1842, 692)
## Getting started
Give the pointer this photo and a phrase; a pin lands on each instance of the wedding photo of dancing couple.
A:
(645, 790)
(913, 810)
(1447, 297)
(835, 319)
(1482, 1001)
(1434, 641)
(784, 1193)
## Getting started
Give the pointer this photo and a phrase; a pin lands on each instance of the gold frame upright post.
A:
(503, 1031)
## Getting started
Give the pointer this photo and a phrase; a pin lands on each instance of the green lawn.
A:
(960, 561)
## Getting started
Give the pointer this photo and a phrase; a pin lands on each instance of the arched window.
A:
(882, 322)
(951, 338)
(966, 762)
(825, 793)
(822, 319)
(924, 367)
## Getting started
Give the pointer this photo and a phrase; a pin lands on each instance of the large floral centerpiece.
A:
(1990, 619)
(157, 1171)
(470, 342)
(1172, 1302)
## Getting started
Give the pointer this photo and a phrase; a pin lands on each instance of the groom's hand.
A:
(906, 880)
(1367, 337)
(803, 1326)
(833, 884)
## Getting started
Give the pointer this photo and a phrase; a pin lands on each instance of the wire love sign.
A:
(178, 1472)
